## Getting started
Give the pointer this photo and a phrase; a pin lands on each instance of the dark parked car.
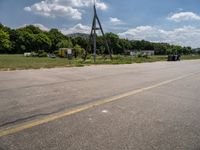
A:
(174, 57)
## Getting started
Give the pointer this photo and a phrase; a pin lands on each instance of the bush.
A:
(34, 54)
(139, 55)
(56, 52)
(42, 53)
(142, 56)
(145, 56)
(89, 56)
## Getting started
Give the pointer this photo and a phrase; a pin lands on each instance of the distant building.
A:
(142, 52)
(148, 52)
(127, 51)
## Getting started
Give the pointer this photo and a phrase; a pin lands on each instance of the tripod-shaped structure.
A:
(93, 36)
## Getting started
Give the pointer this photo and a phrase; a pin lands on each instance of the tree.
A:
(136, 45)
(25, 41)
(113, 41)
(186, 50)
(1, 26)
(78, 51)
(31, 29)
(14, 38)
(56, 37)
(42, 42)
(31, 38)
(5, 43)
(101, 47)
(65, 44)
(161, 48)
(82, 41)
(124, 44)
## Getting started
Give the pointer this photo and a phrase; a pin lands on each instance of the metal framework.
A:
(93, 36)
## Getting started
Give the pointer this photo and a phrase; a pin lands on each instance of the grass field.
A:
(19, 62)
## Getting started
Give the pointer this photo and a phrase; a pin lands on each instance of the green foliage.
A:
(42, 53)
(78, 51)
(5, 43)
(41, 41)
(56, 37)
(82, 41)
(124, 44)
(56, 52)
(31, 38)
(65, 44)
(25, 41)
(31, 29)
(114, 43)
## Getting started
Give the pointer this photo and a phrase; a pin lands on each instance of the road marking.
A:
(30, 124)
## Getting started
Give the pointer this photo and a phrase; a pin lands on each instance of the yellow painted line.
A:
(30, 124)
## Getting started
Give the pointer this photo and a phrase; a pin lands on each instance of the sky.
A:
(171, 21)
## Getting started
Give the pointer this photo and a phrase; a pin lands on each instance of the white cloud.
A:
(79, 28)
(51, 8)
(185, 36)
(87, 3)
(63, 8)
(102, 6)
(184, 16)
(27, 8)
(116, 21)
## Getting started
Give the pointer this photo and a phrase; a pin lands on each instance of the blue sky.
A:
(172, 21)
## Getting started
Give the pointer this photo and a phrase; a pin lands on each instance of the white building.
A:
(148, 52)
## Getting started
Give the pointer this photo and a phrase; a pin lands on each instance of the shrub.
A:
(56, 52)
(145, 56)
(139, 55)
(42, 53)
(34, 54)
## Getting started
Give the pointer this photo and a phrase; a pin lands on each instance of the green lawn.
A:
(19, 62)
(190, 57)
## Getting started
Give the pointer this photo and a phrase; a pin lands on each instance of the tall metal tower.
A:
(93, 35)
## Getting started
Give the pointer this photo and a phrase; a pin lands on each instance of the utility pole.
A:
(93, 35)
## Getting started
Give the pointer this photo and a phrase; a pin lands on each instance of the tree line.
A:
(31, 38)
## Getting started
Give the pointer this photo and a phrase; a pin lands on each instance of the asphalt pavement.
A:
(107, 107)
